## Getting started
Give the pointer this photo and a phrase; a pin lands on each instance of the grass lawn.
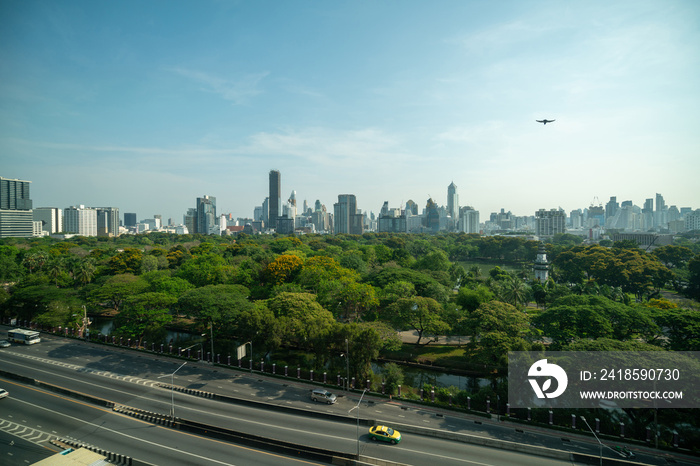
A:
(444, 356)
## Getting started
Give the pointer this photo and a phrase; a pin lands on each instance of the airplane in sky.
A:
(544, 122)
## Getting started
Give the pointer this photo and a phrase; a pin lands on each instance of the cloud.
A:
(329, 147)
(237, 90)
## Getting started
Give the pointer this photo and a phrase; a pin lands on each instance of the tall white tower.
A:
(541, 266)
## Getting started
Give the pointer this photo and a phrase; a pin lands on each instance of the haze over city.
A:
(146, 106)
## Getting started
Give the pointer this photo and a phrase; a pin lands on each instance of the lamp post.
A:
(211, 328)
(172, 390)
(347, 365)
(596, 437)
(357, 433)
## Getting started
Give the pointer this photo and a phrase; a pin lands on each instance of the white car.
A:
(4, 344)
(4, 393)
(323, 395)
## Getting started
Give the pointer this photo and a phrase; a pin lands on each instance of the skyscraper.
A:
(129, 219)
(345, 216)
(107, 221)
(432, 216)
(206, 215)
(275, 199)
(453, 202)
(16, 217)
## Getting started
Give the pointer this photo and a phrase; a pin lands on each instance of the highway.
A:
(131, 378)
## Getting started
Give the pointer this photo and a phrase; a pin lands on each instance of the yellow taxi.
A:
(385, 434)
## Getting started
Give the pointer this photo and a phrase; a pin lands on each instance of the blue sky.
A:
(146, 105)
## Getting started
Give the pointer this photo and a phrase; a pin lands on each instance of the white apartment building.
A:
(80, 220)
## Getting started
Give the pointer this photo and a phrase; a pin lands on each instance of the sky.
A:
(147, 105)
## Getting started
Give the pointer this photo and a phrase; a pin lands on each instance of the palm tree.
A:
(55, 268)
(86, 272)
(515, 291)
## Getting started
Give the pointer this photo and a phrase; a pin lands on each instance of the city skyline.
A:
(148, 106)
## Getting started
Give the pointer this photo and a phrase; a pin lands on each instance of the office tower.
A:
(411, 208)
(660, 215)
(206, 216)
(576, 218)
(432, 216)
(550, 222)
(692, 220)
(452, 202)
(51, 219)
(317, 205)
(346, 218)
(648, 214)
(257, 214)
(320, 217)
(596, 216)
(129, 219)
(390, 220)
(107, 221)
(80, 220)
(468, 220)
(16, 217)
(275, 199)
(190, 220)
(611, 207)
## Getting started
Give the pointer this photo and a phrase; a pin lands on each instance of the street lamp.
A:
(172, 391)
(347, 365)
(596, 437)
(357, 433)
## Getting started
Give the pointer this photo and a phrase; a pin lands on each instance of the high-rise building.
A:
(190, 220)
(16, 217)
(453, 202)
(275, 204)
(432, 216)
(107, 221)
(692, 220)
(51, 219)
(550, 222)
(80, 220)
(468, 220)
(129, 219)
(660, 215)
(206, 216)
(346, 218)
(611, 207)
(576, 218)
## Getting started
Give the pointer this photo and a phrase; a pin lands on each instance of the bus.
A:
(28, 337)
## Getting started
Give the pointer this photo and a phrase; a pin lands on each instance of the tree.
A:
(118, 287)
(302, 320)
(393, 377)
(470, 299)
(424, 315)
(145, 313)
(673, 256)
(514, 291)
(206, 269)
(283, 269)
(259, 325)
(128, 261)
(85, 271)
(494, 329)
(214, 303)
